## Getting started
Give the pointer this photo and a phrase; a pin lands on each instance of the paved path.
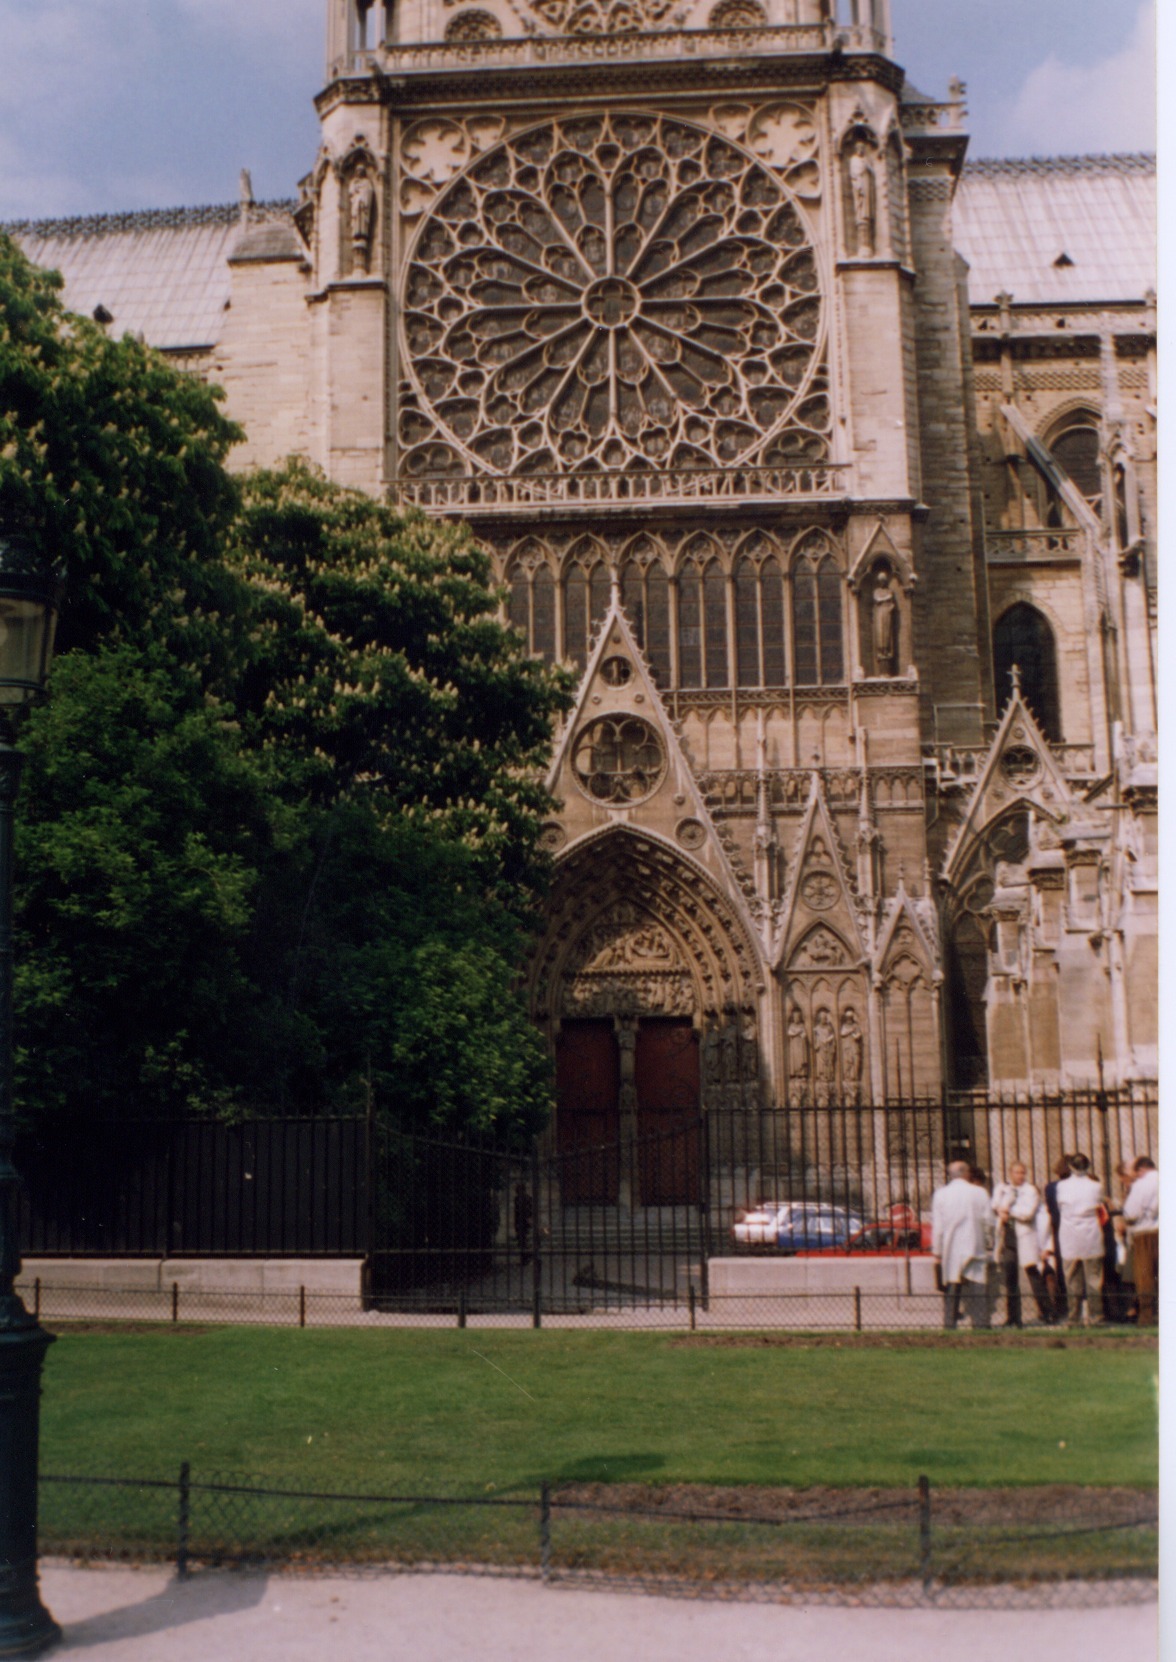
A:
(122, 1615)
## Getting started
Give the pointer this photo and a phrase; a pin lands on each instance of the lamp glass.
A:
(27, 627)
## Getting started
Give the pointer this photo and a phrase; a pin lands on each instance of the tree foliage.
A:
(278, 833)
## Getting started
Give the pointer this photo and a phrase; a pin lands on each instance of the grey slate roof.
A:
(162, 272)
(1015, 219)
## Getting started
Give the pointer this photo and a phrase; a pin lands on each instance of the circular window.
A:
(616, 672)
(1020, 765)
(619, 760)
(614, 291)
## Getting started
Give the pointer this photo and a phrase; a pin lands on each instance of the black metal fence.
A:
(911, 1547)
(610, 1218)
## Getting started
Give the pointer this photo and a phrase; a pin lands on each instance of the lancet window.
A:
(818, 651)
(585, 603)
(759, 623)
(532, 607)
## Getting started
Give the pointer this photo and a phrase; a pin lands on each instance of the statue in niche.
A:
(729, 1042)
(798, 1060)
(361, 205)
(712, 1063)
(852, 1056)
(825, 1058)
(885, 625)
(863, 192)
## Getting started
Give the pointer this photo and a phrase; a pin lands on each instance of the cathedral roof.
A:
(1058, 229)
(160, 272)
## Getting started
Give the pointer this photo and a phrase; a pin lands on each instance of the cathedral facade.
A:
(826, 458)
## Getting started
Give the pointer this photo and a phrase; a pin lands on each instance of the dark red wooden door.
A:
(667, 1080)
(588, 1122)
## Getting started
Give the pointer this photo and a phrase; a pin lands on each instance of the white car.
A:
(761, 1225)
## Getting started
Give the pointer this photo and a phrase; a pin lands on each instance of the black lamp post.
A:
(29, 600)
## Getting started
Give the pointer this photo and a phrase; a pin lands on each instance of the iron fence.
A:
(912, 1547)
(594, 1217)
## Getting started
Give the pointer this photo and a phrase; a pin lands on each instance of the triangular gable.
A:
(1020, 768)
(617, 685)
(904, 931)
(820, 900)
(880, 546)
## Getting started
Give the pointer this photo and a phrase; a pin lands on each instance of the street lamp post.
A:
(29, 600)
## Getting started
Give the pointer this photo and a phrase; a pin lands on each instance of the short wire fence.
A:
(849, 1309)
(913, 1547)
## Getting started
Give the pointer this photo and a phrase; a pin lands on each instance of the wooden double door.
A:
(655, 1159)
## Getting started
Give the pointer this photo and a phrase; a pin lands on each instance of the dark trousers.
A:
(1010, 1271)
(974, 1297)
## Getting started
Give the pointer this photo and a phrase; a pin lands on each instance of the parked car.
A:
(878, 1240)
(758, 1226)
(808, 1226)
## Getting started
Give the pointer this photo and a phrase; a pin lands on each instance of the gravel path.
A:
(144, 1615)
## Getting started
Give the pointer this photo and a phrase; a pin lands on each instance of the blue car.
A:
(807, 1226)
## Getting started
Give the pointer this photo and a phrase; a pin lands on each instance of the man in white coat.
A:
(1016, 1203)
(961, 1245)
(1080, 1238)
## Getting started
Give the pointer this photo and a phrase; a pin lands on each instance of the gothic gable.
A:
(819, 916)
(1019, 771)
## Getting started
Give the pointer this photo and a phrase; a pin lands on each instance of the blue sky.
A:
(109, 104)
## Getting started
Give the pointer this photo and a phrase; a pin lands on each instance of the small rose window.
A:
(618, 760)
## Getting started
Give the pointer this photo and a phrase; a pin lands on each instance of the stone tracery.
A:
(614, 292)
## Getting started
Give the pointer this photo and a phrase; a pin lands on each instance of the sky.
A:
(121, 104)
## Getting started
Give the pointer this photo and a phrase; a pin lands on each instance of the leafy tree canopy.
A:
(278, 834)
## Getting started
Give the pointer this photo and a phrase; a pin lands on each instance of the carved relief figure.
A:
(852, 1056)
(863, 192)
(885, 625)
(798, 1060)
(825, 1058)
(361, 204)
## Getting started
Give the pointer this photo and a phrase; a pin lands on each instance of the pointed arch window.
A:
(657, 624)
(532, 607)
(690, 626)
(818, 650)
(576, 615)
(1023, 637)
(714, 599)
(747, 625)
(759, 623)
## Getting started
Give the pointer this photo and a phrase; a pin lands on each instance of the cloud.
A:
(1064, 108)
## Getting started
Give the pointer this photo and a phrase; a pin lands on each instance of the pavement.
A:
(145, 1615)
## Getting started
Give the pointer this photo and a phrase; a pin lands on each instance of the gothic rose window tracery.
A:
(618, 760)
(603, 292)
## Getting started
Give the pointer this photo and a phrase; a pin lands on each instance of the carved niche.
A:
(627, 965)
(610, 291)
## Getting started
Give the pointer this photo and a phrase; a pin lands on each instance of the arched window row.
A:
(755, 622)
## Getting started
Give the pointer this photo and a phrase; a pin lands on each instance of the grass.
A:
(496, 1413)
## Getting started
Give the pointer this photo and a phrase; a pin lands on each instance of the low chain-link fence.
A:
(916, 1547)
(859, 1309)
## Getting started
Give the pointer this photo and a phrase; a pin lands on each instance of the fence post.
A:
(183, 1520)
(175, 1301)
(925, 1531)
(536, 1304)
(37, 1299)
(857, 1309)
(461, 1307)
(545, 1531)
(302, 1306)
(536, 1238)
(693, 1301)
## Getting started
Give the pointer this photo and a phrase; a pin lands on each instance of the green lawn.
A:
(497, 1412)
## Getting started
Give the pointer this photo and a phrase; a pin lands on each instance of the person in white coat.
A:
(1016, 1203)
(961, 1245)
(1080, 1239)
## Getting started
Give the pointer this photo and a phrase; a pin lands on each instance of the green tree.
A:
(279, 827)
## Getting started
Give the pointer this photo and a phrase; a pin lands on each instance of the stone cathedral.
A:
(828, 460)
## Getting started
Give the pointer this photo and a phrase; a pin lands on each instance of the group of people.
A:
(1063, 1240)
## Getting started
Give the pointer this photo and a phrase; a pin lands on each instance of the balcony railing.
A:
(1031, 545)
(534, 50)
(620, 490)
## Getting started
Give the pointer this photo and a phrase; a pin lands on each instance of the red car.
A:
(881, 1239)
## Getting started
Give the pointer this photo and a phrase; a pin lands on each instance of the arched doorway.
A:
(648, 988)
(1023, 638)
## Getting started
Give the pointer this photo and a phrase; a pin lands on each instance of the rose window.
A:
(613, 292)
(618, 759)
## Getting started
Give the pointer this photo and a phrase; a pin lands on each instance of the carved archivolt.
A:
(636, 929)
(610, 292)
(473, 25)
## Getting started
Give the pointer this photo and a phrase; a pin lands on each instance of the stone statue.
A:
(885, 626)
(852, 1056)
(825, 1057)
(864, 195)
(798, 1060)
(361, 202)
